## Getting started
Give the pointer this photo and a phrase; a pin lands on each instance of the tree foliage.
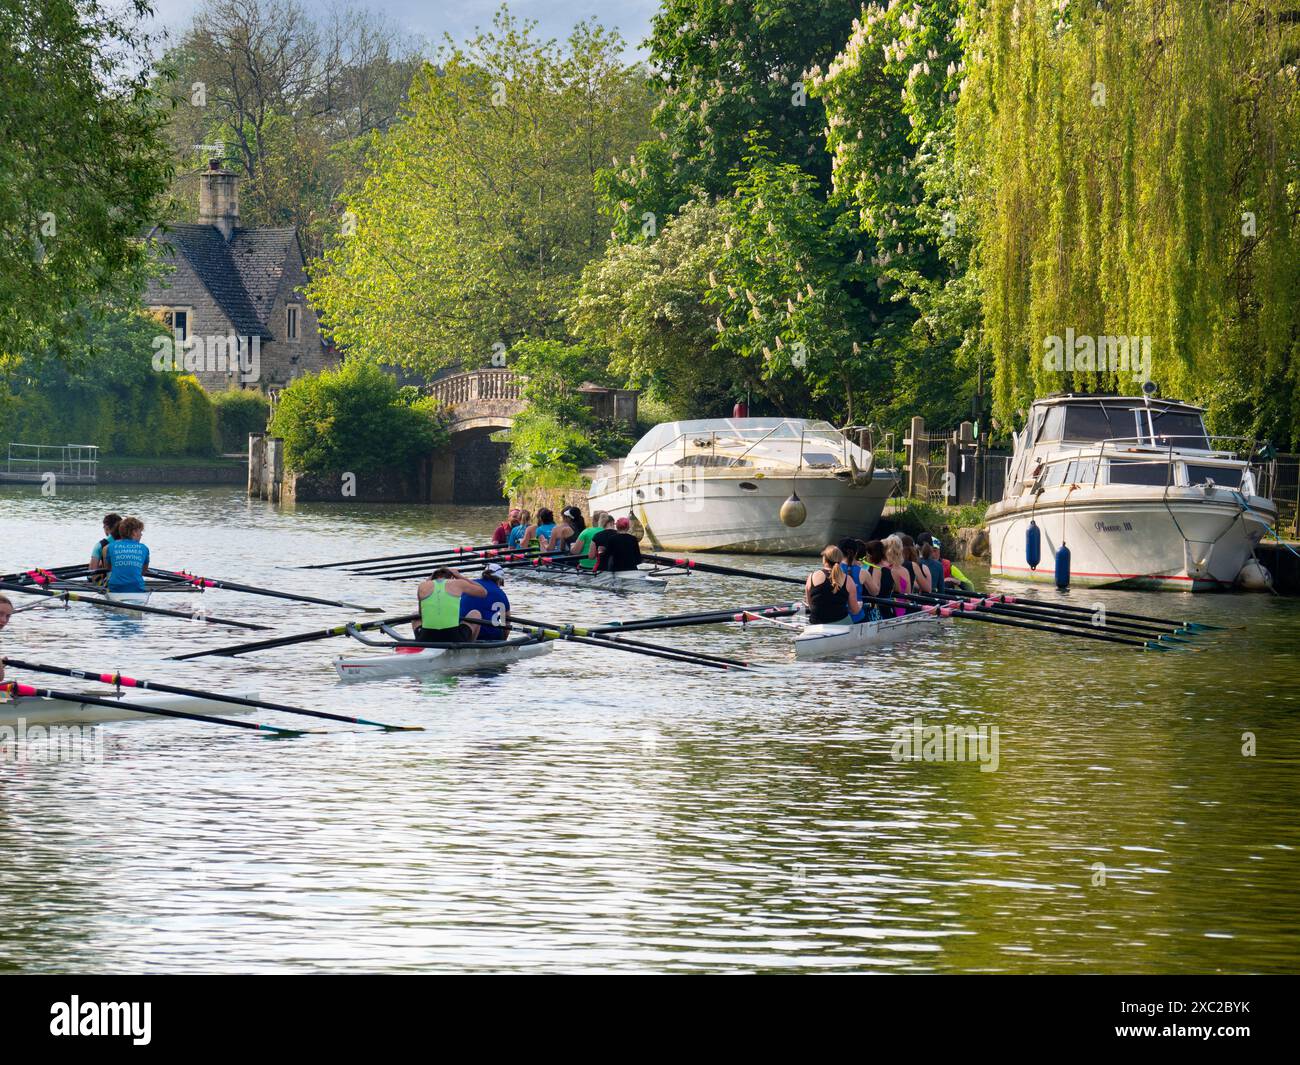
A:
(354, 419)
(1134, 172)
(82, 167)
(479, 210)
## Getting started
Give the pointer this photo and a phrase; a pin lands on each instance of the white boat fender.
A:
(1254, 577)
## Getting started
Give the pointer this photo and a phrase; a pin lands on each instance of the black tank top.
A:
(886, 582)
(826, 606)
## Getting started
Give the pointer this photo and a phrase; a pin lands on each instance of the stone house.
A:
(233, 300)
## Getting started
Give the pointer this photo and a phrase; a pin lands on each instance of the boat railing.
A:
(1137, 451)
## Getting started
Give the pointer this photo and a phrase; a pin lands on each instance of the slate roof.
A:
(242, 275)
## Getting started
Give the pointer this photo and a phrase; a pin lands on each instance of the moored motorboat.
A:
(401, 661)
(1137, 492)
(828, 641)
(35, 710)
(720, 484)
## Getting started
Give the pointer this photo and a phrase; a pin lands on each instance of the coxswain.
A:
(489, 618)
(439, 600)
(830, 595)
(126, 558)
(111, 522)
(615, 549)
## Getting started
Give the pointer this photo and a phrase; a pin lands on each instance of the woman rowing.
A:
(831, 597)
(501, 534)
(849, 548)
(111, 522)
(127, 559)
(920, 581)
(537, 537)
(516, 537)
(582, 543)
(567, 529)
(888, 578)
(439, 600)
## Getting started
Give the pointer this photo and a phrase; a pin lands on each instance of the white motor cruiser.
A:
(765, 485)
(1136, 492)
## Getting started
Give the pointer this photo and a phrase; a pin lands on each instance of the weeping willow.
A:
(1133, 173)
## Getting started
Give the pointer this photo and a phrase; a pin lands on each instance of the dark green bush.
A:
(239, 412)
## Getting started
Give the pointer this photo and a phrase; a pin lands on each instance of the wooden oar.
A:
(119, 681)
(209, 582)
(76, 597)
(726, 571)
(392, 558)
(286, 641)
(1194, 626)
(957, 612)
(116, 704)
(617, 640)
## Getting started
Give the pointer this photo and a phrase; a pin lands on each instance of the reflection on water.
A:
(597, 810)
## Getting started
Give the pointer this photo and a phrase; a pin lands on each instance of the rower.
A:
(111, 522)
(439, 597)
(830, 595)
(920, 576)
(567, 529)
(495, 608)
(501, 534)
(6, 612)
(900, 579)
(952, 576)
(849, 549)
(516, 537)
(930, 560)
(600, 521)
(615, 549)
(538, 535)
(126, 558)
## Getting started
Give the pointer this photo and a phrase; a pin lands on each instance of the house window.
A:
(176, 319)
(292, 313)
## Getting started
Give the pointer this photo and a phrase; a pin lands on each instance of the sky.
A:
(432, 18)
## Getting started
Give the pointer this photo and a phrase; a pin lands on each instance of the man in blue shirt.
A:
(490, 617)
(127, 558)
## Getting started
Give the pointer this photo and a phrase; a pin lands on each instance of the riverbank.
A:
(183, 469)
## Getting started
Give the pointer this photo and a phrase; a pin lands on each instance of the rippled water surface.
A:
(597, 810)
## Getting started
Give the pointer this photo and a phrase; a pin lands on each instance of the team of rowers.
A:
(879, 569)
(459, 609)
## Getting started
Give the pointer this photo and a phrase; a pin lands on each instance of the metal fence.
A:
(66, 463)
(1281, 480)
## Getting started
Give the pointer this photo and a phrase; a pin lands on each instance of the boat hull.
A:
(835, 641)
(460, 659)
(1187, 542)
(33, 710)
(715, 513)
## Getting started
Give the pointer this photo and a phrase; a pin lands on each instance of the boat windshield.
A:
(1094, 422)
(741, 434)
(1179, 428)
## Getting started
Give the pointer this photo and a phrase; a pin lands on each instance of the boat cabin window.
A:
(1094, 423)
(1053, 425)
(1179, 428)
(1147, 473)
(1225, 476)
(1076, 471)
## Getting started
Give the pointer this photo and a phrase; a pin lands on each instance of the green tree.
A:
(82, 167)
(354, 419)
(729, 69)
(479, 210)
(647, 303)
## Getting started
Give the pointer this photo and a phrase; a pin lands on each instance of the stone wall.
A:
(172, 473)
(378, 486)
(183, 289)
(555, 498)
(284, 359)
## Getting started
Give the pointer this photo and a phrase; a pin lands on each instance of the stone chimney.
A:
(219, 198)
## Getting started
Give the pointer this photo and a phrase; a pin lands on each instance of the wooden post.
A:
(256, 457)
(915, 446)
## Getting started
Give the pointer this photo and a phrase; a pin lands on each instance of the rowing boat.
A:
(458, 658)
(35, 710)
(827, 641)
(631, 580)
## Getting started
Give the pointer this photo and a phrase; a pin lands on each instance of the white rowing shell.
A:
(630, 580)
(459, 659)
(825, 641)
(37, 711)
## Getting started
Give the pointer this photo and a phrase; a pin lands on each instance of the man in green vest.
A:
(439, 599)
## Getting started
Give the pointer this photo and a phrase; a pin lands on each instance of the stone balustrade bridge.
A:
(481, 402)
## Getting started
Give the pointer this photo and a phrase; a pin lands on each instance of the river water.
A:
(592, 810)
